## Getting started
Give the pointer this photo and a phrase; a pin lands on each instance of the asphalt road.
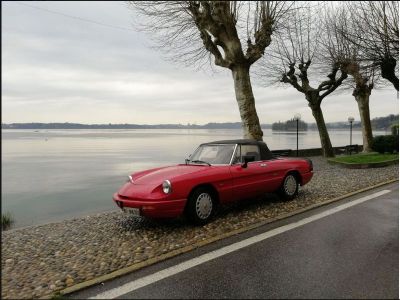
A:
(351, 253)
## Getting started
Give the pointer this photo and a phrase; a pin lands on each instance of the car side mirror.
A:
(247, 159)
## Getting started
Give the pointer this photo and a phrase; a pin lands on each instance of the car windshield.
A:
(213, 154)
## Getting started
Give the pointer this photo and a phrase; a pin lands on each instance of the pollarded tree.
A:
(353, 62)
(234, 33)
(376, 35)
(295, 56)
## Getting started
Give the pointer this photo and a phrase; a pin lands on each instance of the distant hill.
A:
(382, 123)
(385, 123)
(235, 125)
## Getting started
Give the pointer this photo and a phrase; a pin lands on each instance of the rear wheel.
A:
(289, 187)
(200, 206)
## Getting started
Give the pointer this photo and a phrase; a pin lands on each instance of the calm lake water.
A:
(51, 175)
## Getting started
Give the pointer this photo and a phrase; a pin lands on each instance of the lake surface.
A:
(51, 175)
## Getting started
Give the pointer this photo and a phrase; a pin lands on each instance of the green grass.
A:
(366, 158)
(7, 221)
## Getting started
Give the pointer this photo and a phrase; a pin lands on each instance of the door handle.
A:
(263, 165)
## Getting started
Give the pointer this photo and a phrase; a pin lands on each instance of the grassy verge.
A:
(366, 158)
(7, 221)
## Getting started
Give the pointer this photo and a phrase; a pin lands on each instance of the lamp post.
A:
(297, 117)
(351, 120)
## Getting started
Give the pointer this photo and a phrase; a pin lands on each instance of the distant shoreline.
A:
(236, 125)
(273, 131)
(170, 127)
(382, 123)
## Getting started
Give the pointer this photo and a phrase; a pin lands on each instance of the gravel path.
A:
(40, 260)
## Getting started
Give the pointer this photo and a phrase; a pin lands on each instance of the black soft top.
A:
(265, 153)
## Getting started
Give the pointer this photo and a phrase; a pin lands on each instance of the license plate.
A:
(132, 211)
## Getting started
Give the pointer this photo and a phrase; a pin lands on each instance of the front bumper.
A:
(153, 208)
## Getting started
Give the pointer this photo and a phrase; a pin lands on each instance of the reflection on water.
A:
(50, 175)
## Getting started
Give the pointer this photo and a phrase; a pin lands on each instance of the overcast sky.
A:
(61, 69)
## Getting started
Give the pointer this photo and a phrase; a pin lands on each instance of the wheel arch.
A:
(297, 174)
(210, 187)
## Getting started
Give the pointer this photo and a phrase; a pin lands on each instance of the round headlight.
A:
(166, 187)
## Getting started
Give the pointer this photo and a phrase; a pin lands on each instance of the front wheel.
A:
(289, 187)
(200, 206)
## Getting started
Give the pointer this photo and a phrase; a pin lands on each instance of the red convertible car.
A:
(217, 173)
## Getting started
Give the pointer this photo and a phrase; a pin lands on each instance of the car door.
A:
(273, 172)
(250, 181)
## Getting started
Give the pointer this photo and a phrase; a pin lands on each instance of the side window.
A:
(251, 150)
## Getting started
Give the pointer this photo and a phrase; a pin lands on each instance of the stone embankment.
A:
(40, 260)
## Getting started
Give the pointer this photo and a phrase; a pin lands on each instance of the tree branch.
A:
(207, 25)
(213, 49)
(267, 15)
(303, 67)
(333, 83)
(262, 40)
(291, 78)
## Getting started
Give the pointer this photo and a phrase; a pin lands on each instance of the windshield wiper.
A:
(200, 162)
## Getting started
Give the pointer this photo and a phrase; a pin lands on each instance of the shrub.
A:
(378, 144)
(395, 129)
(386, 143)
(7, 221)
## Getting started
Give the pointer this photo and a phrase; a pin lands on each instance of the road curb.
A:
(176, 252)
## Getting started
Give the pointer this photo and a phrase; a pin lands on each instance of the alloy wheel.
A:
(290, 185)
(204, 205)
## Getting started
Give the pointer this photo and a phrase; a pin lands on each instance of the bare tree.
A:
(353, 62)
(233, 33)
(295, 55)
(376, 35)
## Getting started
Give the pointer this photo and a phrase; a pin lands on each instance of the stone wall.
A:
(312, 151)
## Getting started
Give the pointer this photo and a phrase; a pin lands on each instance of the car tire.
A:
(200, 206)
(289, 187)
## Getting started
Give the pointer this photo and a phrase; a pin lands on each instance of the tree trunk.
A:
(362, 98)
(246, 103)
(326, 145)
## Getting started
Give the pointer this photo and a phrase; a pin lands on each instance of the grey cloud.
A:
(60, 69)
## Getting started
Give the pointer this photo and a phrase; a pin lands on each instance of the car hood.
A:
(158, 176)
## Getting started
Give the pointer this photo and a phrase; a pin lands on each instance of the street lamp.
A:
(297, 117)
(351, 120)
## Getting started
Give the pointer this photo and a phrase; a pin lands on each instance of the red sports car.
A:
(216, 173)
